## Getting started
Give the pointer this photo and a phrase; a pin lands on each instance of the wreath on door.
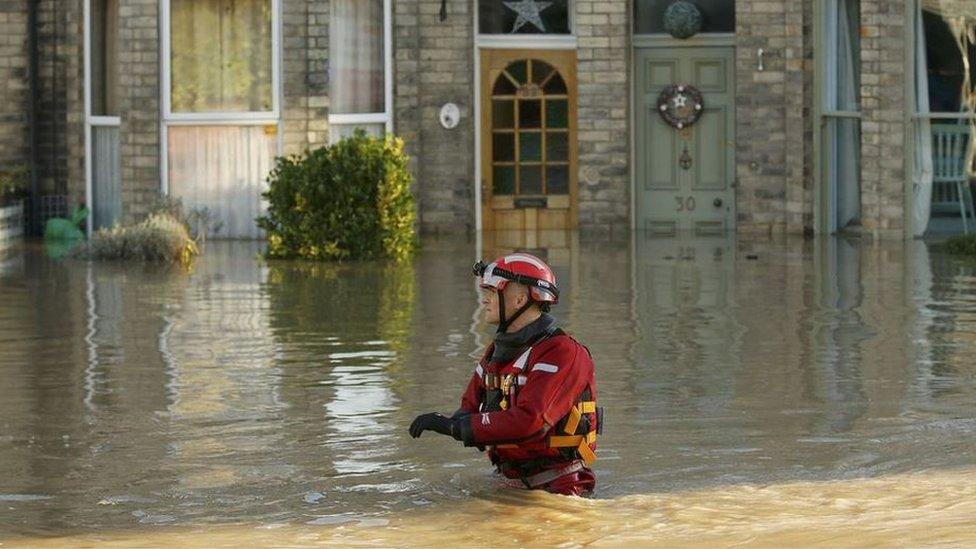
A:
(680, 105)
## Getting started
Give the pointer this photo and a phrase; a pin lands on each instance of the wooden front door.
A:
(528, 139)
(685, 178)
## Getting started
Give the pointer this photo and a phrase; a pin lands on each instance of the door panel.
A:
(671, 198)
(528, 139)
(711, 169)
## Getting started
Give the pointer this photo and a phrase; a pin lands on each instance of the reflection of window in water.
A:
(945, 64)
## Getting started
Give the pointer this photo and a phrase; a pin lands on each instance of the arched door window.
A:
(530, 122)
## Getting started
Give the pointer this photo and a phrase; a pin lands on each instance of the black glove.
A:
(456, 426)
(433, 422)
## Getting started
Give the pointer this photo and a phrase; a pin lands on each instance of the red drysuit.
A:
(543, 431)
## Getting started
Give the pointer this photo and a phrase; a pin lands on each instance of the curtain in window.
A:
(842, 91)
(104, 57)
(356, 57)
(220, 56)
(922, 176)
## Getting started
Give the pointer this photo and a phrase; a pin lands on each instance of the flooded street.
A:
(772, 393)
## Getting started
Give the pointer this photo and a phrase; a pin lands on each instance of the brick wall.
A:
(762, 128)
(884, 30)
(14, 85)
(139, 105)
(74, 100)
(305, 53)
(603, 30)
(435, 65)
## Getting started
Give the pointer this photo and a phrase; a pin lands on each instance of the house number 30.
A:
(685, 204)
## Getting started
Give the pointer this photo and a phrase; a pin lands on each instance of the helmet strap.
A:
(504, 323)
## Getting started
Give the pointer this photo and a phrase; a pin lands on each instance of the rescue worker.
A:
(531, 400)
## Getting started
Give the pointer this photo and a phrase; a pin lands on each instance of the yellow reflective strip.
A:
(588, 407)
(584, 451)
(572, 421)
(565, 441)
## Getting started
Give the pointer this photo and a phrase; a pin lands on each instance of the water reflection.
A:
(280, 392)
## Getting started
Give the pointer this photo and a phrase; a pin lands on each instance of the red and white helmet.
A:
(522, 268)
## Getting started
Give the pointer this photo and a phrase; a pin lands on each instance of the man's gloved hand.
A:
(434, 422)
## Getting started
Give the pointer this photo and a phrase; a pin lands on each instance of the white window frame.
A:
(385, 117)
(257, 117)
(91, 121)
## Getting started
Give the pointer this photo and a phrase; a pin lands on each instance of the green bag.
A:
(59, 228)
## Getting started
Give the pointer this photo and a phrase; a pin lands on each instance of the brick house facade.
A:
(434, 60)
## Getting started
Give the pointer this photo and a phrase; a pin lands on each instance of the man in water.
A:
(531, 400)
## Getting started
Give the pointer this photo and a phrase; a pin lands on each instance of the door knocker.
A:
(685, 160)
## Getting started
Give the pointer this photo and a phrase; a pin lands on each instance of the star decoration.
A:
(528, 12)
(680, 101)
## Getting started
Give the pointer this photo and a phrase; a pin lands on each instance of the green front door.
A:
(685, 178)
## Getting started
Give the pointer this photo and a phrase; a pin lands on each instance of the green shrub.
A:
(964, 244)
(349, 200)
(160, 237)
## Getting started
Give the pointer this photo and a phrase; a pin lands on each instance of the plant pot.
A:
(11, 223)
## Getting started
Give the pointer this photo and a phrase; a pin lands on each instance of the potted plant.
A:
(13, 191)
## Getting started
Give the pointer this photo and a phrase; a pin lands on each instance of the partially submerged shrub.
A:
(202, 222)
(160, 237)
(964, 244)
(349, 200)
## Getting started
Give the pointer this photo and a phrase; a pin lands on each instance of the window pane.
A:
(557, 180)
(530, 115)
(221, 55)
(356, 72)
(530, 147)
(104, 57)
(503, 86)
(556, 113)
(718, 15)
(503, 114)
(496, 17)
(530, 181)
(540, 70)
(518, 70)
(555, 86)
(503, 147)
(339, 131)
(557, 147)
(842, 54)
(503, 180)
(946, 75)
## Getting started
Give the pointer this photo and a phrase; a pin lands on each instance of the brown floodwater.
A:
(761, 393)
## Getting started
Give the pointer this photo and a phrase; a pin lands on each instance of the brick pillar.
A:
(603, 30)
(305, 53)
(445, 158)
(406, 88)
(74, 98)
(763, 165)
(139, 85)
(884, 31)
(798, 66)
